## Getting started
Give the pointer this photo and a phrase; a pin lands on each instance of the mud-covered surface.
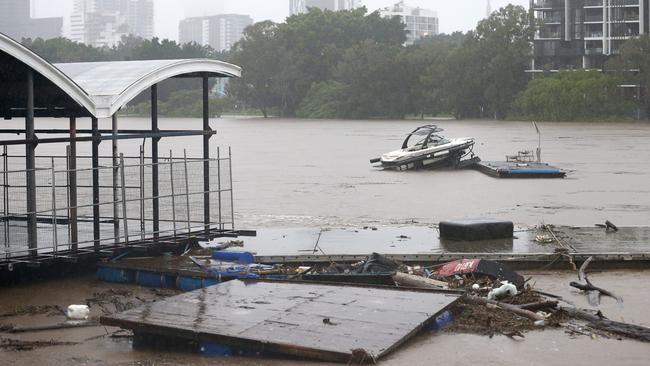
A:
(38, 304)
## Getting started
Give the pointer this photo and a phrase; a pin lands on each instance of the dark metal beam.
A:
(62, 131)
(206, 154)
(154, 162)
(95, 165)
(160, 134)
(30, 165)
(72, 179)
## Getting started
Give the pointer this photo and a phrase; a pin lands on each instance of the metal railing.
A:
(64, 203)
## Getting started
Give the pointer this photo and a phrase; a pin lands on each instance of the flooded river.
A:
(296, 173)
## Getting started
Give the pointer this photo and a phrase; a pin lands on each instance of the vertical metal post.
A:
(232, 199)
(221, 226)
(142, 224)
(67, 191)
(5, 200)
(187, 194)
(206, 156)
(124, 217)
(171, 182)
(154, 163)
(30, 165)
(116, 210)
(55, 232)
(72, 173)
(95, 168)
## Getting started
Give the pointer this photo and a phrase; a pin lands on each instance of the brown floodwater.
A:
(294, 173)
(546, 347)
(297, 173)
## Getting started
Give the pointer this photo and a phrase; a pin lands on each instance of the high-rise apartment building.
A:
(103, 22)
(420, 23)
(220, 32)
(301, 6)
(583, 33)
(17, 23)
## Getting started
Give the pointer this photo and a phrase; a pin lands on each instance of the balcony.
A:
(593, 51)
(547, 4)
(549, 35)
(593, 3)
(594, 35)
(552, 20)
(594, 18)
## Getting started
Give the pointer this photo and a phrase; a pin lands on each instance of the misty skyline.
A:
(455, 15)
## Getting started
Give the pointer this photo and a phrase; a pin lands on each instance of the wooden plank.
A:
(321, 321)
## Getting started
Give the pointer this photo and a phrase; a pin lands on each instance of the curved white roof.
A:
(41, 66)
(104, 87)
(111, 85)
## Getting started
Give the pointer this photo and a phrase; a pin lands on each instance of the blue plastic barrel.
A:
(228, 256)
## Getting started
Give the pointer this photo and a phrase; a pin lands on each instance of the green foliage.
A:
(325, 100)
(350, 64)
(488, 70)
(129, 48)
(64, 50)
(573, 95)
(263, 60)
(633, 66)
(282, 62)
(183, 103)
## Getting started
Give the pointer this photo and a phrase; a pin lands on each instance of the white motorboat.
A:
(425, 148)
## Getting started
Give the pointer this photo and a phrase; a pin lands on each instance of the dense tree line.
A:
(350, 64)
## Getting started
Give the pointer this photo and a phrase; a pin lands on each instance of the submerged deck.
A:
(325, 322)
(627, 248)
(511, 169)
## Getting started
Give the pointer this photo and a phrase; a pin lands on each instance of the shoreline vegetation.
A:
(353, 65)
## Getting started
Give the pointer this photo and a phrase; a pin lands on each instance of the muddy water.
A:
(548, 347)
(316, 173)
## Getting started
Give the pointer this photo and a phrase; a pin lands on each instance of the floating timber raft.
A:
(513, 169)
(351, 324)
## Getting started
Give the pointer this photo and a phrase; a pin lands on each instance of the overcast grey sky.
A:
(455, 15)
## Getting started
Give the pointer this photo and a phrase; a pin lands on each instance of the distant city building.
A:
(103, 22)
(420, 23)
(17, 23)
(301, 6)
(582, 34)
(220, 32)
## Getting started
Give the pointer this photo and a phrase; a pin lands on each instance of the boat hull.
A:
(441, 158)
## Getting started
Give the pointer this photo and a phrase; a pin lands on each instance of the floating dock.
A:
(512, 169)
(350, 324)
(159, 272)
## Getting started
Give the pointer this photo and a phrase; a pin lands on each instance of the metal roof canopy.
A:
(32, 87)
(87, 89)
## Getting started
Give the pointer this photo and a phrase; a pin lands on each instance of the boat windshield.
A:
(427, 142)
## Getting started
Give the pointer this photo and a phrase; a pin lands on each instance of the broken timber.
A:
(316, 321)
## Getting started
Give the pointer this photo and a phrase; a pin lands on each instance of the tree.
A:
(59, 50)
(488, 70)
(315, 42)
(633, 65)
(326, 99)
(430, 58)
(573, 95)
(260, 54)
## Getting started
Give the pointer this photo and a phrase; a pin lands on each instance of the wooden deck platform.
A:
(511, 169)
(325, 322)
